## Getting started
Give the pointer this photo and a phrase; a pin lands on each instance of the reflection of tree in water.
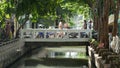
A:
(59, 53)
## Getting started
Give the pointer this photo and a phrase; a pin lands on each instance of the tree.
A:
(5, 12)
(36, 8)
(100, 10)
(116, 8)
(39, 9)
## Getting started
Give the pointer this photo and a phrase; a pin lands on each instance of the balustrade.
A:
(56, 35)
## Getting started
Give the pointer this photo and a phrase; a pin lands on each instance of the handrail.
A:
(8, 42)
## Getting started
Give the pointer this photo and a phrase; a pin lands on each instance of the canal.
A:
(54, 57)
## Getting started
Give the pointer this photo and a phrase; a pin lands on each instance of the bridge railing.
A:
(56, 35)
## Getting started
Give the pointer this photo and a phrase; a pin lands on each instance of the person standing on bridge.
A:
(90, 25)
(60, 27)
(85, 24)
(66, 26)
(84, 34)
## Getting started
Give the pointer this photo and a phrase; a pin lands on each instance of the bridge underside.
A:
(34, 45)
(56, 44)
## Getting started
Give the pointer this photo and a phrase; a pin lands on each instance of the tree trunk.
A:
(104, 34)
(18, 30)
(116, 14)
(100, 17)
(100, 27)
(95, 17)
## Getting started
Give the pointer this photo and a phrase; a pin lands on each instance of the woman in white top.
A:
(60, 27)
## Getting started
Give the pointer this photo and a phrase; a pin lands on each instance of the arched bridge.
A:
(55, 37)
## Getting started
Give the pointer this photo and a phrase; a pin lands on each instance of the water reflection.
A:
(66, 55)
(55, 58)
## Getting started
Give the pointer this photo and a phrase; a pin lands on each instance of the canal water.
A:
(54, 57)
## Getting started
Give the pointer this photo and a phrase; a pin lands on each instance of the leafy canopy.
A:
(43, 8)
(5, 11)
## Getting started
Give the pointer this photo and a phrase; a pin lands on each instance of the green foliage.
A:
(37, 8)
(6, 9)
(75, 6)
(71, 23)
(93, 42)
(43, 9)
(51, 9)
(70, 8)
(3, 8)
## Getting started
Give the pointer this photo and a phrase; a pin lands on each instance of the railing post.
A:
(90, 33)
(55, 33)
(67, 36)
(21, 33)
(45, 31)
(32, 32)
(79, 34)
